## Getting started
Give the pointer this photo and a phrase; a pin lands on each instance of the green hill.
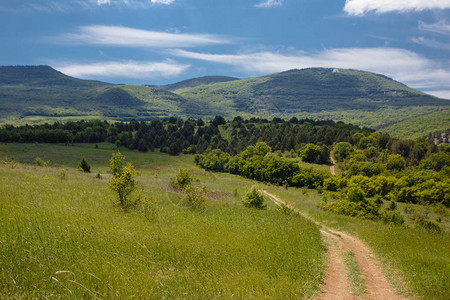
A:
(310, 90)
(197, 81)
(415, 127)
(39, 93)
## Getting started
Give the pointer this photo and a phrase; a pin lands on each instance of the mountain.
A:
(308, 90)
(40, 93)
(197, 81)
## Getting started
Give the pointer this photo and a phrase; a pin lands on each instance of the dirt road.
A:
(332, 164)
(337, 284)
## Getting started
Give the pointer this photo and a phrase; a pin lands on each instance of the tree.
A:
(122, 182)
(84, 166)
(311, 153)
(342, 151)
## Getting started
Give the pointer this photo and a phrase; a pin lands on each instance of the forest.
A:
(191, 136)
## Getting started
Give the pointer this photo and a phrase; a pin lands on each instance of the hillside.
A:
(36, 94)
(197, 81)
(41, 93)
(415, 127)
(310, 90)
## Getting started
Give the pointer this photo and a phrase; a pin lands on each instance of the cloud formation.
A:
(131, 37)
(129, 69)
(361, 7)
(402, 65)
(440, 27)
(269, 3)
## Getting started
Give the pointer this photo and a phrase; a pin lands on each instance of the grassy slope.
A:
(417, 126)
(197, 81)
(59, 209)
(52, 224)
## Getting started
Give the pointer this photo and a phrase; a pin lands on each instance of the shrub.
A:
(355, 194)
(392, 217)
(148, 208)
(40, 162)
(122, 182)
(428, 225)
(182, 180)
(84, 166)
(194, 197)
(253, 199)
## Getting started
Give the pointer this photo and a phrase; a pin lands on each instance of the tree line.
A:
(175, 136)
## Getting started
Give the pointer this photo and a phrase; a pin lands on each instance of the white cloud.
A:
(431, 43)
(167, 2)
(440, 27)
(269, 3)
(361, 7)
(101, 2)
(402, 65)
(132, 37)
(129, 69)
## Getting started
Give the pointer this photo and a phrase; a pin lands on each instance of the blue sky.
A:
(164, 41)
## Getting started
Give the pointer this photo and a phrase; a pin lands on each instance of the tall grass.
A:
(61, 236)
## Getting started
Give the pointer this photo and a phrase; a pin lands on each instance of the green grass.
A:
(357, 281)
(64, 237)
(416, 261)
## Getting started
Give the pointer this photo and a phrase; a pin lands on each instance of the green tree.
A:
(342, 151)
(122, 182)
(84, 166)
(311, 153)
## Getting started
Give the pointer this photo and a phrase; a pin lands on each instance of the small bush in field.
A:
(392, 217)
(122, 182)
(63, 173)
(182, 180)
(149, 208)
(253, 199)
(84, 166)
(428, 225)
(195, 197)
(40, 162)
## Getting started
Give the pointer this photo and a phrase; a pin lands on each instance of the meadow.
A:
(63, 236)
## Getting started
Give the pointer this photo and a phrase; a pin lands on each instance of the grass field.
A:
(62, 235)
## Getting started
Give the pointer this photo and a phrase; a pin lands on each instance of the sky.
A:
(166, 41)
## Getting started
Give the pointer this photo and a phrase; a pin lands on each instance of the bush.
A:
(355, 194)
(84, 166)
(182, 180)
(428, 225)
(392, 217)
(253, 199)
(195, 197)
(122, 182)
(148, 208)
(40, 162)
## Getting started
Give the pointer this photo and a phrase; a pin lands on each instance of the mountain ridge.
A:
(40, 93)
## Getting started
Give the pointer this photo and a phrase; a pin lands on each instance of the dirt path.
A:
(336, 284)
(332, 164)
